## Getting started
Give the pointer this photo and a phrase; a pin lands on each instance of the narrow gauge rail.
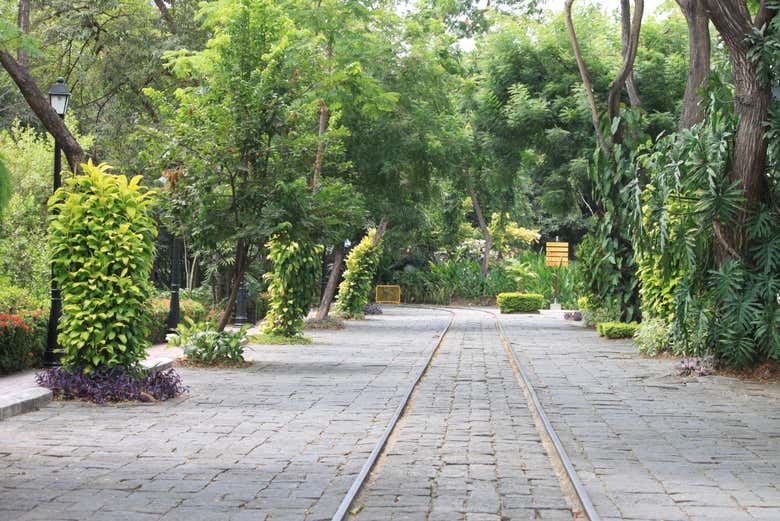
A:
(535, 405)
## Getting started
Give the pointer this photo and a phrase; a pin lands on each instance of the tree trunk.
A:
(333, 280)
(166, 14)
(42, 108)
(485, 266)
(699, 51)
(751, 104)
(625, 41)
(323, 126)
(24, 27)
(239, 269)
(594, 111)
(616, 87)
(380, 230)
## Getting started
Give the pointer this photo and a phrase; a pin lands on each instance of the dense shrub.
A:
(17, 300)
(102, 252)
(112, 384)
(653, 336)
(22, 341)
(202, 343)
(292, 282)
(617, 329)
(159, 321)
(355, 289)
(519, 302)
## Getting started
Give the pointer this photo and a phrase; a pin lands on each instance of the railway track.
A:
(570, 483)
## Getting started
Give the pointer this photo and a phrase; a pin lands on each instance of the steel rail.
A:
(380, 445)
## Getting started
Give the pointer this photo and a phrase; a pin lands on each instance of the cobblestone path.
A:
(281, 440)
(649, 445)
(466, 447)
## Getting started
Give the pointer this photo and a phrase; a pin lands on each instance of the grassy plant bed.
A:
(219, 364)
(519, 302)
(615, 330)
(271, 339)
(116, 384)
(325, 323)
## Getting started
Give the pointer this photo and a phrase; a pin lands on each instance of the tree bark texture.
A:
(699, 52)
(751, 103)
(24, 28)
(42, 108)
(332, 285)
(485, 266)
(323, 127)
(166, 14)
(616, 87)
(625, 40)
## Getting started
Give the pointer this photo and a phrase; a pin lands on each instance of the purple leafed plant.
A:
(111, 384)
(704, 366)
(373, 309)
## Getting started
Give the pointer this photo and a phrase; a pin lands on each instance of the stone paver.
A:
(647, 444)
(280, 440)
(466, 447)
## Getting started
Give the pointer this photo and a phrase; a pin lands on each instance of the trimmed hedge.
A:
(617, 329)
(22, 341)
(160, 308)
(519, 302)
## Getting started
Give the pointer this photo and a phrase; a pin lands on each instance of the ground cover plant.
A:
(112, 384)
(616, 330)
(202, 343)
(271, 339)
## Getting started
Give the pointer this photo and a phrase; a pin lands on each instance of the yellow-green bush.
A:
(355, 289)
(519, 302)
(102, 251)
(617, 329)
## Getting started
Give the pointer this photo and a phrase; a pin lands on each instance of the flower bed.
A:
(22, 341)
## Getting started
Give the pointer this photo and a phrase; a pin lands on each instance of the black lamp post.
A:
(58, 97)
(242, 317)
(174, 316)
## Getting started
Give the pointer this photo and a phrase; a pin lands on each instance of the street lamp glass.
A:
(58, 96)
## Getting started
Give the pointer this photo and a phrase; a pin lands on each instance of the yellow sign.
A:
(388, 294)
(557, 253)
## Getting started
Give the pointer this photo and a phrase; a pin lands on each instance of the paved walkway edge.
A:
(565, 461)
(371, 461)
(20, 402)
(33, 398)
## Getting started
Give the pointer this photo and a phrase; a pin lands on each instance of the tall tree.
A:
(699, 51)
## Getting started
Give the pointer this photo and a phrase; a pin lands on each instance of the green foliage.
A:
(101, 240)
(722, 306)
(160, 308)
(5, 186)
(22, 340)
(14, 299)
(292, 282)
(519, 302)
(355, 289)
(653, 336)
(617, 329)
(203, 344)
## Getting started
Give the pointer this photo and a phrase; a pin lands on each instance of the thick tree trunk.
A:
(239, 270)
(625, 41)
(24, 27)
(751, 104)
(42, 108)
(332, 285)
(485, 265)
(699, 52)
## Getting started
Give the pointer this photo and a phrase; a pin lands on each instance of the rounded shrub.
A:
(617, 329)
(102, 252)
(291, 282)
(22, 341)
(355, 289)
(519, 302)
(653, 336)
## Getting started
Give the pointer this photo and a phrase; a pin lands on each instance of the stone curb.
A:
(20, 402)
(33, 398)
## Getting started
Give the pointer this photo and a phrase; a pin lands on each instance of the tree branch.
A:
(166, 14)
(616, 87)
